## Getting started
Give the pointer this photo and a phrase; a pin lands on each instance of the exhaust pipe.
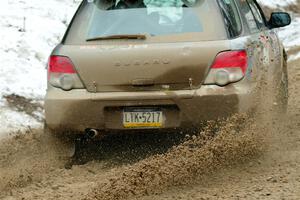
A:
(92, 133)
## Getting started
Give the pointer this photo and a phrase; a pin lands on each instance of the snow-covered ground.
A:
(277, 3)
(29, 29)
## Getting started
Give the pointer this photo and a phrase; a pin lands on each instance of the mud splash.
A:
(221, 144)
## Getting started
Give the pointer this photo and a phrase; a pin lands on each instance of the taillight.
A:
(62, 73)
(61, 64)
(228, 67)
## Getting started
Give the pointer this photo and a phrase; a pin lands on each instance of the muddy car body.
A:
(130, 65)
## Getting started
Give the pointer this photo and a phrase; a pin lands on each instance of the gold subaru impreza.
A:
(161, 64)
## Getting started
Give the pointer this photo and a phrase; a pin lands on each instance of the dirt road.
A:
(241, 158)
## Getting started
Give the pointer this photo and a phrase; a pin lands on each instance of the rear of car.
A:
(128, 64)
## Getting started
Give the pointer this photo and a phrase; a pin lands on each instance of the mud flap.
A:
(80, 154)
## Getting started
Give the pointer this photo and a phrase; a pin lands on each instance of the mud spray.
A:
(236, 140)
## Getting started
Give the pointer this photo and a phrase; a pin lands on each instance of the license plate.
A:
(142, 118)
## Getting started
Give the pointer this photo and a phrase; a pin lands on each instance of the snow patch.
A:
(29, 31)
(12, 121)
(277, 3)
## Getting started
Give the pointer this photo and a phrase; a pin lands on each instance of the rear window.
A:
(153, 18)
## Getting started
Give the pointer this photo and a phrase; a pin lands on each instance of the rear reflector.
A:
(228, 67)
(61, 64)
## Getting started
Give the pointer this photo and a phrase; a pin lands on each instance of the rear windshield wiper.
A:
(135, 37)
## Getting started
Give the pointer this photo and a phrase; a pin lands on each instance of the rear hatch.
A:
(179, 43)
(144, 67)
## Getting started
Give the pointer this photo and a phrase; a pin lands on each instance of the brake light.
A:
(61, 64)
(228, 67)
(62, 73)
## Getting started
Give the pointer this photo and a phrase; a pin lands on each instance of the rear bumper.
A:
(78, 110)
